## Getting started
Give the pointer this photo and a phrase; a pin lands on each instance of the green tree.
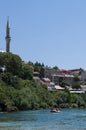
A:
(27, 71)
(56, 68)
(37, 66)
(14, 64)
(9, 79)
(41, 72)
(69, 95)
(11, 63)
(76, 83)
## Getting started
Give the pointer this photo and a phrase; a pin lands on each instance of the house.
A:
(83, 75)
(57, 87)
(37, 80)
(77, 91)
(76, 72)
(83, 87)
(54, 87)
(51, 86)
(55, 75)
(67, 78)
(48, 72)
(46, 81)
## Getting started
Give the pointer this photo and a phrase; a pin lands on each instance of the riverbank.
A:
(33, 97)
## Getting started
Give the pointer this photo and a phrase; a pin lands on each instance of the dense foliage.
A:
(30, 96)
(18, 91)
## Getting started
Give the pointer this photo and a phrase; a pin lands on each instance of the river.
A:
(67, 119)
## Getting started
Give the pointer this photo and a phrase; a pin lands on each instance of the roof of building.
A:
(77, 91)
(46, 79)
(58, 87)
(36, 73)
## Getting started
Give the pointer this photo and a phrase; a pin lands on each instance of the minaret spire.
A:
(8, 38)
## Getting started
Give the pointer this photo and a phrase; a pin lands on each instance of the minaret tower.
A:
(8, 38)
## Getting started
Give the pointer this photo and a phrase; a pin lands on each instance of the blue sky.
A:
(52, 32)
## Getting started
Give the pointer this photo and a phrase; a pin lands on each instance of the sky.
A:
(52, 32)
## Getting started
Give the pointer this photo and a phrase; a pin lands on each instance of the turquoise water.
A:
(68, 119)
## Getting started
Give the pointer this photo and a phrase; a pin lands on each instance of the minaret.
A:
(8, 38)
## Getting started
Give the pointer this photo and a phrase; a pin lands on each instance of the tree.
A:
(42, 72)
(27, 71)
(11, 62)
(69, 94)
(14, 64)
(55, 67)
(37, 66)
(61, 82)
(9, 79)
(76, 83)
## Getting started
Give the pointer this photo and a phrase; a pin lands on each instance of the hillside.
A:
(18, 90)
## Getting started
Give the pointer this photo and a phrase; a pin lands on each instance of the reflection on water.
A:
(68, 119)
(11, 128)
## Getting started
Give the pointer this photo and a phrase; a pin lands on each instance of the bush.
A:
(74, 105)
